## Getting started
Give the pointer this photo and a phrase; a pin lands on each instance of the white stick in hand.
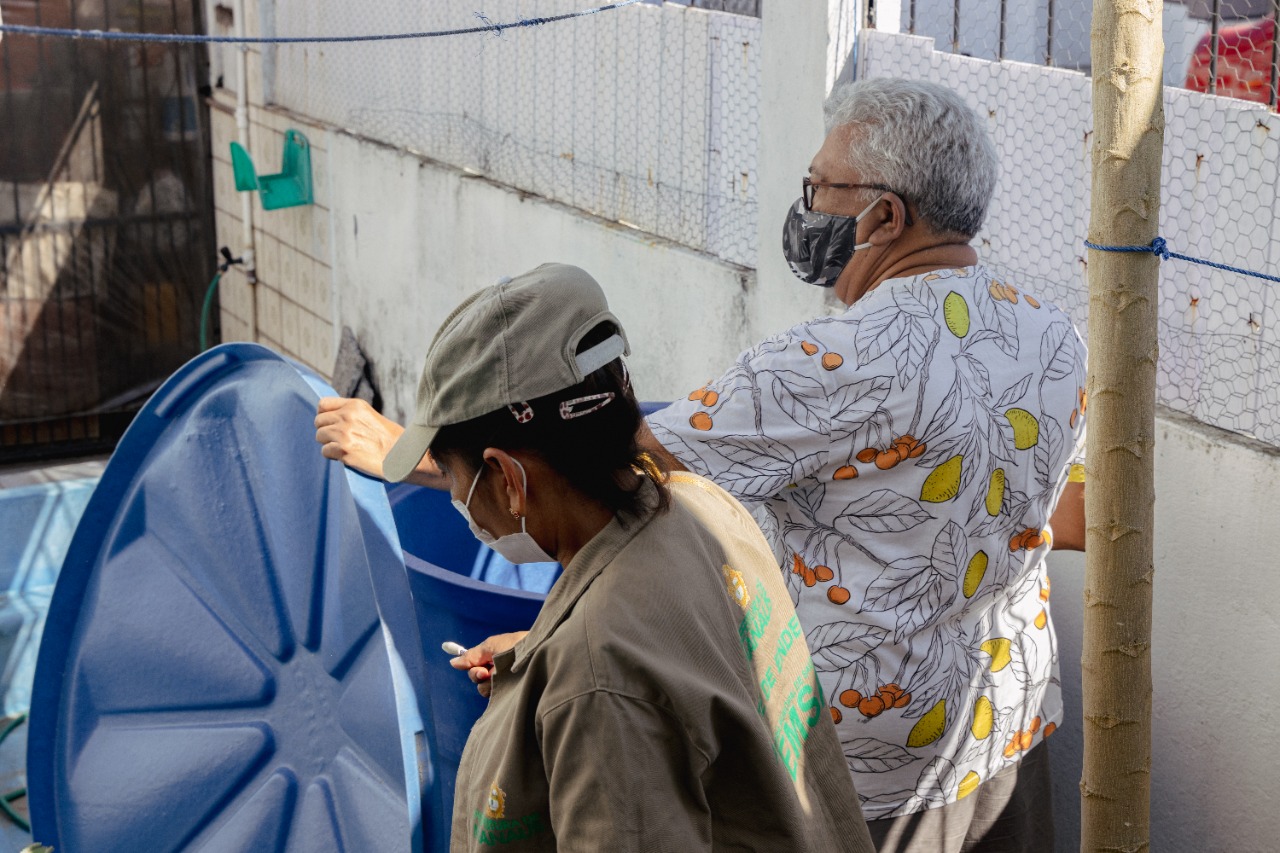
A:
(452, 648)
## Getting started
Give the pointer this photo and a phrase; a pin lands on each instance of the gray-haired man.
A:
(904, 459)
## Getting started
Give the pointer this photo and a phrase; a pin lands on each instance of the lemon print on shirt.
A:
(956, 312)
(497, 805)
(737, 586)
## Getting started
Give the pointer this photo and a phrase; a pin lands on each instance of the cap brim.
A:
(406, 453)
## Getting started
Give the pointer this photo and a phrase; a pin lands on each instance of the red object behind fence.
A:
(1245, 59)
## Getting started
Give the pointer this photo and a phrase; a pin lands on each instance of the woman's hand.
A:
(478, 661)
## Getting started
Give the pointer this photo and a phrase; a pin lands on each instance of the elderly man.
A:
(904, 458)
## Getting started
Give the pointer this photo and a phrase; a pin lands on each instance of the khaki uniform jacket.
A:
(664, 700)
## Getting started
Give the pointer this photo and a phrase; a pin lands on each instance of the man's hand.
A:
(478, 661)
(351, 432)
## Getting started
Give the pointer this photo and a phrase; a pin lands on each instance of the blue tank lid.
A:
(231, 656)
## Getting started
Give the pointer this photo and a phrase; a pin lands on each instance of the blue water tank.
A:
(231, 660)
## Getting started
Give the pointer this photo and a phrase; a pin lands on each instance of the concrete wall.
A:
(1214, 776)
(395, 239)
(394, 242)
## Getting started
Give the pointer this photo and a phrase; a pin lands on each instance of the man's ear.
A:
(890, 215)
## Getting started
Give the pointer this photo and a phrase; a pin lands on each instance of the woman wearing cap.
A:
(664, 698)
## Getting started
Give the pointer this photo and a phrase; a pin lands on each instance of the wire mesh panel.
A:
(104, 247)
(1219, 358)
(646, 115)
(1224, 47)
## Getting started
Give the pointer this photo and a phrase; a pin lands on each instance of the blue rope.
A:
(1160, 249)
(177, 38)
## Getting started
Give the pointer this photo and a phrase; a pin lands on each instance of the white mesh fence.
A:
(1225, 47)
(1219, 347)
(645, 115)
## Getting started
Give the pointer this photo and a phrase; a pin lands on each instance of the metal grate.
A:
(105, 245)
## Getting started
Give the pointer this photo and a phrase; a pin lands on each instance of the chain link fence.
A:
(105, 233)
(646, 115)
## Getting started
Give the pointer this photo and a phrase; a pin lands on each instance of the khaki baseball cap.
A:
(510, 343)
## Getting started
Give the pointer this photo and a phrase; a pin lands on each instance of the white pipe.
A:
(250, 266)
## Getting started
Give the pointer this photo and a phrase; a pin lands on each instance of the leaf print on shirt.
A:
(761, 466)
(902, 331)
(950, 550)
(808, 499)
(917, 299)
(1014, 392)
(852, 405)
(938, 782)
(914, 589)
(1023, 661)
(681, 449)
(838, 646)
(1047, 453)
(1057, 352)
(801, 398)
(950, 671)
(868, 755)
(880, 333)
(998, 317)
(884, 511)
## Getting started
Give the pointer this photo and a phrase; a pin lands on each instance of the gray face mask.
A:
(516, 548)
(818, 246)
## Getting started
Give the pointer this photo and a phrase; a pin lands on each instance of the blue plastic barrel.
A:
(231, 660)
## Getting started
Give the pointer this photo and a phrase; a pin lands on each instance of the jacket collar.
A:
(582, 571)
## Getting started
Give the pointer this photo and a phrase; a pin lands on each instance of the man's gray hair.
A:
(923, 141)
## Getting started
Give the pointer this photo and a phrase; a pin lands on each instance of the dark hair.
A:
(597, 453)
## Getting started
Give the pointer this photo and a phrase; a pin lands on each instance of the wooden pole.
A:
(1128, 121)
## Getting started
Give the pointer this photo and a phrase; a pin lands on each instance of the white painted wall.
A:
(645, 114)
(412, 238)
(1216, 710)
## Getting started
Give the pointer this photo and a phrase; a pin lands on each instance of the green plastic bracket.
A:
(291, 187)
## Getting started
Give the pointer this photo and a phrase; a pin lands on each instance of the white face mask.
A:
(518, 548)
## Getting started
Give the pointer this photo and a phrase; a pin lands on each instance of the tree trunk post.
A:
(1128, 121)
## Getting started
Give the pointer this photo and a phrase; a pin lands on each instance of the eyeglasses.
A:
(808, 186)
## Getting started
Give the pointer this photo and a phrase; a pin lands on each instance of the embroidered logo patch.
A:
(497, 805)
(737, 586)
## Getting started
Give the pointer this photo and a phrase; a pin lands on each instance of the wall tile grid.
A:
(294, 265)
(1219, 352)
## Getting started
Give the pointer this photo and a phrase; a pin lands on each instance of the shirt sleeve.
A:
(760, 427)
(623, 776)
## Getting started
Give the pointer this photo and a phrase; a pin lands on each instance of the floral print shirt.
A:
(903, 458)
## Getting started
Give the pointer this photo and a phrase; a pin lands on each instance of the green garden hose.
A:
(204, 313)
